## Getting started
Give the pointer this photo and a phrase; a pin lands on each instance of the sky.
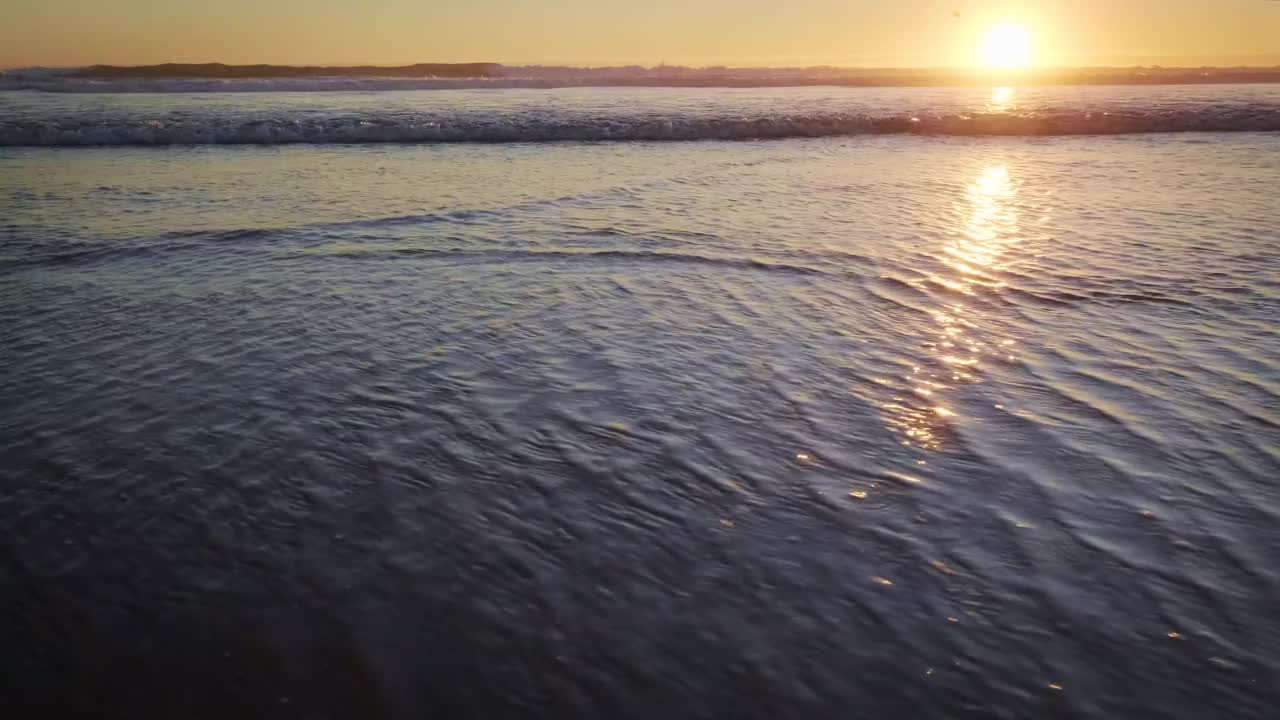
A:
(855, 33)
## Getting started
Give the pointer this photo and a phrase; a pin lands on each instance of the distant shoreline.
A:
(500, 75)
(248, 72)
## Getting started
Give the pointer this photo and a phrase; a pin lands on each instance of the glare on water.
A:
(988, 230)
(1003, 99)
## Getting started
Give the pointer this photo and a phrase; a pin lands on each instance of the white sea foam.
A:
(474, 127)
(30, 118)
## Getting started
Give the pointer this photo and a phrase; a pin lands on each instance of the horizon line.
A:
(1272, 64)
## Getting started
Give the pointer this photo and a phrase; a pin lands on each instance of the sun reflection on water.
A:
(1003, 99)
(959, 344)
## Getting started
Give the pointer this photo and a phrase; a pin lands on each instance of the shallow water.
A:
(841, 427)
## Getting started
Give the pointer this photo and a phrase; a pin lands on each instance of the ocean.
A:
(688, 403)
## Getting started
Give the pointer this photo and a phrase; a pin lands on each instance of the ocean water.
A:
(613, 114)
(864, 425)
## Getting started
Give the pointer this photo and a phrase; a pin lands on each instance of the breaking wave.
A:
(512, 128)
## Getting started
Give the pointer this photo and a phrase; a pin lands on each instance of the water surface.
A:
(839, 427)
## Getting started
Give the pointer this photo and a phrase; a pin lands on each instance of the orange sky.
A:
(904, 33)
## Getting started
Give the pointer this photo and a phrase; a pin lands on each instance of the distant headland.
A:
(245, 72)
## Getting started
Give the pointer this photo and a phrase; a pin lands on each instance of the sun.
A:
(1006, 46)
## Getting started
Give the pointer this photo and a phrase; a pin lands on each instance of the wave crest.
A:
(517, 128)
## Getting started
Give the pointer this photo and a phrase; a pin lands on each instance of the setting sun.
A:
(1006, 46)
(548, 360)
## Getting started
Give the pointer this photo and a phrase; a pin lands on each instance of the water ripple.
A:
(924, 427)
